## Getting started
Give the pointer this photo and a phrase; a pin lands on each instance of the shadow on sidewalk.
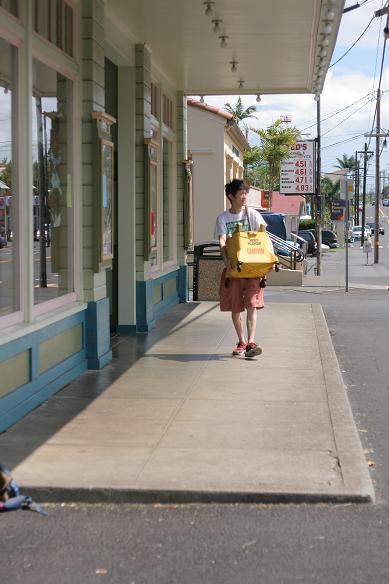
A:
(23, 438)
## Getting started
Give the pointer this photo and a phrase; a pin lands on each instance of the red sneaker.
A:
(252, 350)
(239, 349)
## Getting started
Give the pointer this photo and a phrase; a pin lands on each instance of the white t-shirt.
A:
(227, 221)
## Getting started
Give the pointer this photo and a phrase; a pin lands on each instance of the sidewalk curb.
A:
(352, 462)
(357, 485)
(139, 497)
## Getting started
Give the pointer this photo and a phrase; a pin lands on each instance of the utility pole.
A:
(366, 156)
(377, 181)
(319, 198)
(356, 190)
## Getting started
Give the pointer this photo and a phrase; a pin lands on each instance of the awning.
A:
(278, 46)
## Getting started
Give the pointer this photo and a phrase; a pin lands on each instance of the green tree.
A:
(6, 174)
(238, 111)
(346, 162)
(276, 142)
(330, 191)
(256, 169)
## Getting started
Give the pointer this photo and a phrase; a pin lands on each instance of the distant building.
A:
(216, 145)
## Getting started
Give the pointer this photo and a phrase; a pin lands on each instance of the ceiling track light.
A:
(325, 42)
(216, 24)
(223, 40)
(327, 29)
(234, 67)
(258, 98)
(241, 83)
(208, 7)
(330, 15)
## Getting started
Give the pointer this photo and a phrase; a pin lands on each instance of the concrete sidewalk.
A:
(175, 417)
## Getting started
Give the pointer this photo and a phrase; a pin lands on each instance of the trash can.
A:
(207, 268)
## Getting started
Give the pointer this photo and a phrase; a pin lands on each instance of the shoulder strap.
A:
(248, 218)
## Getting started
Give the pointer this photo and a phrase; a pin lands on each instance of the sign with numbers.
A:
(297, 173)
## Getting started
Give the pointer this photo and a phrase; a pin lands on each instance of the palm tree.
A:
(276, 142)
(331, 192)
(346, 162)
(238, 112)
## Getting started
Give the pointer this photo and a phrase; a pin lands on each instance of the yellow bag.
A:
(251, 253)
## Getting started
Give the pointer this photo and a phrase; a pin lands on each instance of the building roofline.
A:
(211, 108)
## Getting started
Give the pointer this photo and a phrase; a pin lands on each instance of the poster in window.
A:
(107, 184)
(151, 208)
(153, 205)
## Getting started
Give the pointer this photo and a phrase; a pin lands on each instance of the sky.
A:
(353, 78)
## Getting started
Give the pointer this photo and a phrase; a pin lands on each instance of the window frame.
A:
(12, 32)
(67, 71)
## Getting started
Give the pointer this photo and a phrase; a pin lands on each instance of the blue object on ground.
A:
(275, 223)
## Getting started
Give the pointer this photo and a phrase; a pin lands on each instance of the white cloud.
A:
(353, 23)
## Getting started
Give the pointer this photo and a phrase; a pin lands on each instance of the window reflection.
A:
(52, 183)
(9, 266)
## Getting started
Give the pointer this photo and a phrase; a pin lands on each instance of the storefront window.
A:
(10, 5)
(52, 183)
(9, 266)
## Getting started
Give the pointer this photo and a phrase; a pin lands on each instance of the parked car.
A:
(329, 238)
(356, 233)
(3, 241)
(310, 239)
(381, 229)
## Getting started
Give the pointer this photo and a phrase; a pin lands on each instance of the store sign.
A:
(338, 209)
(297, 176)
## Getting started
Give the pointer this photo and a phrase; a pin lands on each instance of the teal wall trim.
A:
(19, 402)
(126, 329)
(147, 313)
(98, 334)
(183, 283)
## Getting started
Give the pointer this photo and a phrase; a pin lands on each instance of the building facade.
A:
(93, 151)
(216, 146)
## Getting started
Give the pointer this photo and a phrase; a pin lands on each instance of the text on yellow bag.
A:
(251, 253)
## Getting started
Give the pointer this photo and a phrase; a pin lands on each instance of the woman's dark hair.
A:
(234, 186)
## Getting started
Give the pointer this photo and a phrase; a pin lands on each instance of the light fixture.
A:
(330, 15)
(208, 7)
(327, 29)
(223, 40)
(325, 42)
(241, 83)
(216, 25)
(258, 98)
(323, 53)
(234, 66)
(201, 99)
(317, 97)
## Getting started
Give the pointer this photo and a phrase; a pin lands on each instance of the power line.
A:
(380, 79)
(342, 141)
(375, 67)
(353, 45)
(336, 112)
(348, 117)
